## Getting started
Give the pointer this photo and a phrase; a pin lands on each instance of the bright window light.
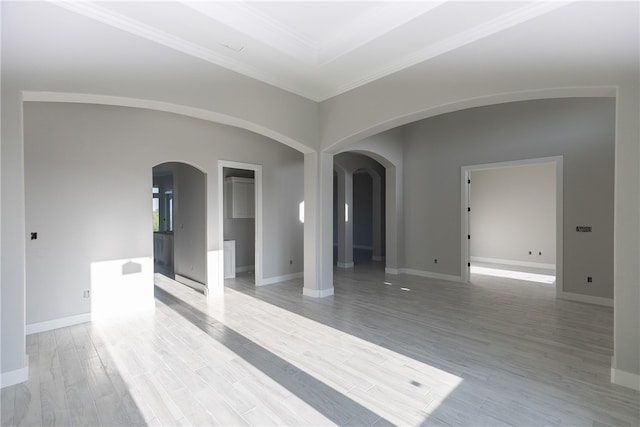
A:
(517, 275)
(301, 212)
(346, 212)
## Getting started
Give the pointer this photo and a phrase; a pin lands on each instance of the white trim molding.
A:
(365, 247)
(189, 282)
(63, 322)
(16, 376)
(394, 271)
(625, 379)
(245, 268)
(345, 264)
(431, 275)
(317, 293)
(278, 279)
(569, 296)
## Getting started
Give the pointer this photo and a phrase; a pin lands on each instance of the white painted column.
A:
(345, 220)
(393, 229)
(318, 225)
(625, 369)
(377, 217)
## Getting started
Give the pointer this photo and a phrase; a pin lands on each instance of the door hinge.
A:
(468, 181)
(468, 264)
(468, 209)
(469, 236)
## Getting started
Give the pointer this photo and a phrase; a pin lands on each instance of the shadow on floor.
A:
(332, 404)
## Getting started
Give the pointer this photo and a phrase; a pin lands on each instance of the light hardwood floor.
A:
(384, 350)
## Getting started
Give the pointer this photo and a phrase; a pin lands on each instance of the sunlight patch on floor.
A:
(358, 368)
(517, 275)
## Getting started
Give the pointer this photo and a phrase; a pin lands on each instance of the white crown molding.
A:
(471, 35)
(371, 26)
(248, 20)
(148, 32)
(314, 53)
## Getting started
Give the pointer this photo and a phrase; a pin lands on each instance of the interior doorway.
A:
(512, 220)
(359, 201)
(179, 223)
(240, 219)
(362, 217)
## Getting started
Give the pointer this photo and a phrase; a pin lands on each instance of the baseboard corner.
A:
(625, 379)
(588, 299)
(17, 376)
(317, 293)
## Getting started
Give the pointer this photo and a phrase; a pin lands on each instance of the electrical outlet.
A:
(529, 252)
(589, 279)
(290, 261)
(435, 261)
(86, 294)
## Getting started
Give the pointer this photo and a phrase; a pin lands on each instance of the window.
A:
(156, 209)
(168, 197)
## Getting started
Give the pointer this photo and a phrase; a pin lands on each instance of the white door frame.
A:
(257, 170)
(465, 226)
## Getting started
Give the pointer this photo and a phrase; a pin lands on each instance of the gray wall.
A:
(88, 189)
(362, 211)
(581, 130)
(189, 222)
(513, 212)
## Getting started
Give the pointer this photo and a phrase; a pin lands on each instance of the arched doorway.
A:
(179, 223)
(359, 210)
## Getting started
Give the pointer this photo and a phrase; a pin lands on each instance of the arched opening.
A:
(179, 223)
(358, 210)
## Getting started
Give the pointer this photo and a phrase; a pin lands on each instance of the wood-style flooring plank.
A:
(490, 353)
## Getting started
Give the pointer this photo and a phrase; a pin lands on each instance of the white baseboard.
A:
(421, 273)
(377, 258)
(278, 279)
(431, 275)
(625, 379)
(315, 293)
(513, 263)
(607, 302)
(63, 322)
(369, 248)
(189, 282)
(345, 264)
(245, 268)
(16, 376)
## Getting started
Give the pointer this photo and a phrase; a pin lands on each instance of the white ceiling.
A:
(316, 49)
